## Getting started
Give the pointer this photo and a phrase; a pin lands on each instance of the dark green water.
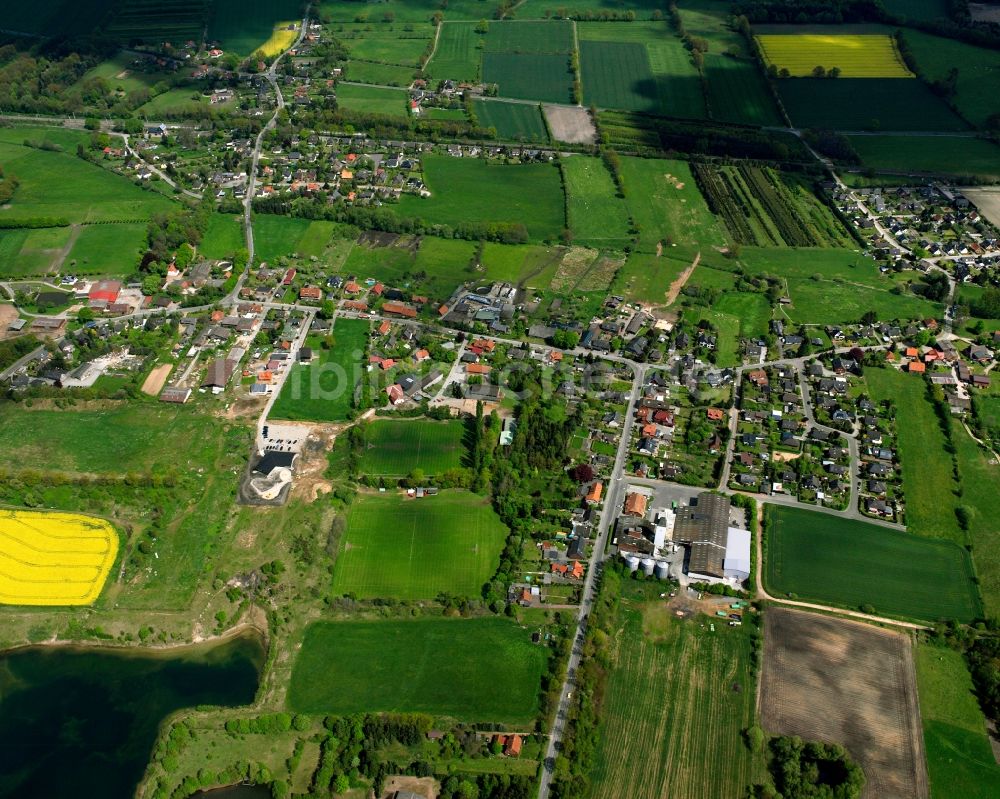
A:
(81, 722)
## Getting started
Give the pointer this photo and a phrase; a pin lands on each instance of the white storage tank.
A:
(632, 561)
(648, 564)
(662, 570)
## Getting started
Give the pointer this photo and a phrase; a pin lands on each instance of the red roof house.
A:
(106, 291)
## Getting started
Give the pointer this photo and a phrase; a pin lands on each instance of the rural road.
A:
(612, 501)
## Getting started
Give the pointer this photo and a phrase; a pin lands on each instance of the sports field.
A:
(397, 547)
(395, 447)
(823, 558)
(675, 689)
(516, 121)
(49, 558)
(528, 194)
(323, 391)
(475, 670)
(960, 762)
(598, 217)
(856, 55)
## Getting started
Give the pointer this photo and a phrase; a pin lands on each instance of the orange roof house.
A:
(377, 289)
(421, 355)
(352, 288)
(355, 305)
(387, 364)
(916, 366)
(635, 504)
(310, 293)
(594, 495)
(384, 328)
(442, 310)
(218, 316)
(395, 393)
(477, 369)
(649, 430)
(555, 356)
(577, 570)
(715, 414)
(399, 309)
(346, 174)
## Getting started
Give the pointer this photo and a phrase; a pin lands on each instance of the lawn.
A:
(528, 194)
(324, 390)
(58, 184)
(513, 121)
(224, 236)
(457, 54)
(475, 670)
(667, 206)
(928, 482)
(823, 558)
(680, 695)
(530, 76)
(866, 104)
(834, 286)
(275, 236)
(598, 217)
(856, 55)
(397, 547)
(959, 156)
(978, 83)
(373, 100)
(243, 27)
(960, 762)
(727, 328)
(112, 250)
(753, 310)
(396, 447)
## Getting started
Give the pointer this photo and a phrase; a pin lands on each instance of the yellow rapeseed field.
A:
(49, 558)
(857, 55)
(281, 39)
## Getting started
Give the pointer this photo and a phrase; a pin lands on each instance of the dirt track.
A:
(845, 682)
(675, 288)
(154, 380)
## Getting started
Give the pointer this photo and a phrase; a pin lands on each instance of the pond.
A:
(81, 722)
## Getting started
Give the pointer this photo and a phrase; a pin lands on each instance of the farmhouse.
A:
(219, 372)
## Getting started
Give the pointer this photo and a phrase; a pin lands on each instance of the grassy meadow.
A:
(823, 558)
(512, 121)
(107, 250)
(397, 547)
(396, 447)
(474, 670)
(939, 155)
(598, 217)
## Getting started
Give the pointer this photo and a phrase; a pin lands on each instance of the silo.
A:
(662, 570)
(648, 564)
(632, 561)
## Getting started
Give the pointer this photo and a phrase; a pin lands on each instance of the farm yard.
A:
(395, 448)
(762, 207)
(475, 670)
(675, 688)
(960, 761)
(842, 682)
(817, 557)
(856, 55)
(397, 547)
(324, 390)
(49, 558)
(528, 194)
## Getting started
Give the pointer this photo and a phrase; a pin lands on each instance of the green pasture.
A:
(476, 670)
(824, 558)
(384, 74)
(598, 217)
(646, 278)
(555, 36)
(405, 11)
(373, 100)
(389, 44)
(457, 53)
(530, 76)
(512, 121)
(396, 447)
(107, 250)
(398, 547)
(224, 236)
(940, 155)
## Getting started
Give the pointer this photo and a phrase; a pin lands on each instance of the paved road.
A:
(612, 502)
(7, 373)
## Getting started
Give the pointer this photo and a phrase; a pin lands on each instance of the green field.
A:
(107, 250)
(928, 482)
(156, 21)
(56, 17)
(960, 762)
(275, 236)
(401, 10)
(394, 448)
(223, 237)
(515, 121)
(866, 104)
(384, 74)
(727, 328)
(646, 278)
(680, 696)
(834, 286)
(978, 84)
(324, 390)
(373, 100)
(665, 203)
(961, 156)
(401, 548)
(58, 184)
(530, 76)
(528, 194)
(927, 10)
(753, 310)
(475, 670)
(388, 44)
(457, 53)
(243, 27)
(555, 36)
(638, 67)
(175, 101)
(823, 558)
(598, 217)
(36, 251)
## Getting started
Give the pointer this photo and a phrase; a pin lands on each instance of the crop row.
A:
(775, 201)
(719, 195)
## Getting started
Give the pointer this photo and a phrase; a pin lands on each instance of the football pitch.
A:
(397, 547)
(395, 447)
